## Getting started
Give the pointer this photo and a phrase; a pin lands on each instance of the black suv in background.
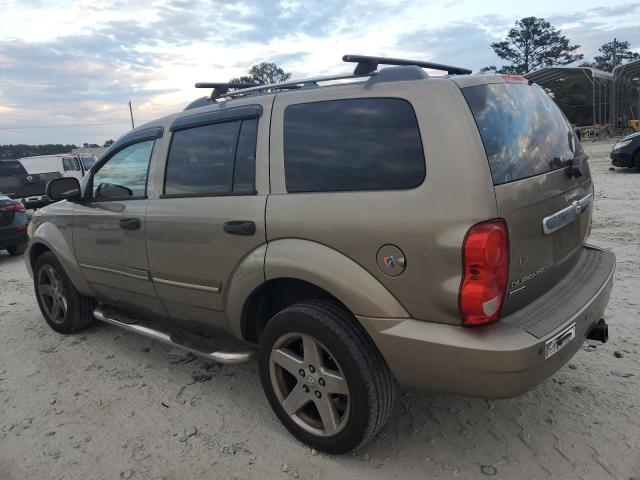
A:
(17, 183)
(626, 152)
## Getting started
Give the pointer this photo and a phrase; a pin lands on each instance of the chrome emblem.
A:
(29, 178)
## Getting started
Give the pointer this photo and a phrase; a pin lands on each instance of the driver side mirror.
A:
(66, 188)
(112, 190)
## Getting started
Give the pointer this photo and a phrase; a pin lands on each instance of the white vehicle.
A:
(67, 165)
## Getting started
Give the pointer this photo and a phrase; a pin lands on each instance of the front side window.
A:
(124, 174)
(351, 145)
(216, 159)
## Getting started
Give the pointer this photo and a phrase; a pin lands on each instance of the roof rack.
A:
(368, 64)
(367, 67)
(220, 89)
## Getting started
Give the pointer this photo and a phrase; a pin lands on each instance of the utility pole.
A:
(131, 112)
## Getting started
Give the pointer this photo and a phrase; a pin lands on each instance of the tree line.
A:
(534, 43)
(22, 150)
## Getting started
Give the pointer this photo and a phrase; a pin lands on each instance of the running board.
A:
(209, 349)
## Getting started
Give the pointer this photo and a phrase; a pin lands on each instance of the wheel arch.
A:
(296, 270)
(47, 237)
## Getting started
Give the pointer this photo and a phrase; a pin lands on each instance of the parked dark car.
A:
(17, 183)
(13, 225)
(626, 152)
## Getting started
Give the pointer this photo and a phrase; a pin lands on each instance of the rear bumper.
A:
(499, 360)
(10, 236)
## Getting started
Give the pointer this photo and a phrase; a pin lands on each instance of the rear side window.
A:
(11, 167)
(216, 159)
(523, 131)
(351, 145)
(70, 164)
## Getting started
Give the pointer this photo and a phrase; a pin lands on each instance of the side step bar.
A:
(199, 347)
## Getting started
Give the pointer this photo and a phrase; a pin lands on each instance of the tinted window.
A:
(523, 130)
(212, 159)
(201, 160)
(87, 162)
(244, 173)
(70, 164)
(128, 168)
(11, 167)
(357, 144)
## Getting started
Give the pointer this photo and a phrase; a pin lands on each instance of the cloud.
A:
(79, 63)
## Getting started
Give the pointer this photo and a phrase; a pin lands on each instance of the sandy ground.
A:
(106, 404)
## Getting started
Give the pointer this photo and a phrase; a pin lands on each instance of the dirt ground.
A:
(106, 404)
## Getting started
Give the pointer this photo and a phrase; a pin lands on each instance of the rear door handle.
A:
(240, 227)
(130, 223)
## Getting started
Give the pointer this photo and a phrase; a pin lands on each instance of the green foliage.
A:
(533, 43)
(108, 143)
(21, 150)
(614, 49)
(263, 73)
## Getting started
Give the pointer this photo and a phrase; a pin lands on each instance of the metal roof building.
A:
(601, 86)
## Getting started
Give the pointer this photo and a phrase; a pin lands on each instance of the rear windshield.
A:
(11, 167)
(523, 130)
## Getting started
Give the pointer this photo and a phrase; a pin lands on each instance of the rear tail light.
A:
(14, 207)
(485, 262)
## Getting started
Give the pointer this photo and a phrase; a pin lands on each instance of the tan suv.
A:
(351, 231)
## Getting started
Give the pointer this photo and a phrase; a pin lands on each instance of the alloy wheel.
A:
(52, 296)
(309, 384)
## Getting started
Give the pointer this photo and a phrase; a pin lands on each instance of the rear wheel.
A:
(323, 376)
(16, 249)
(64, 308)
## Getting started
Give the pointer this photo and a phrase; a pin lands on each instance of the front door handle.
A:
(130, 223)
(240, 227)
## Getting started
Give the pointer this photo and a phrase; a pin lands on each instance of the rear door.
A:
(211, 211)
(109, 226)
(531, 148)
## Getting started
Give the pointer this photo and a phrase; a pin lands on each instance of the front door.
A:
(210, 215)
(109, 229)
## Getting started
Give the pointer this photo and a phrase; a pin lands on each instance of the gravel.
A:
(108, 404)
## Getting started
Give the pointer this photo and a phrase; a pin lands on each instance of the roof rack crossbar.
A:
(368, 64)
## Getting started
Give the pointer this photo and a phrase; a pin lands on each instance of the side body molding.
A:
(336, 273)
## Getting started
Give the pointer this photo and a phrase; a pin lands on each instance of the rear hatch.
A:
(542, 183)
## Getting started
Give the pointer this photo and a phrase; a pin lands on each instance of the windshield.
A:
(11, 167)
(523, 130)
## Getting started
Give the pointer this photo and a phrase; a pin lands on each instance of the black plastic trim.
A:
(217, 116)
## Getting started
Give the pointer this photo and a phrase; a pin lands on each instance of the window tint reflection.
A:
(201, 160)
(523, 130)
(355, 144)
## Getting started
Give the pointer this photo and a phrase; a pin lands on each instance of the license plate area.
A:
(555, 344)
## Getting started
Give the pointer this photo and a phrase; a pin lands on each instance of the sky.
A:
(68, 69)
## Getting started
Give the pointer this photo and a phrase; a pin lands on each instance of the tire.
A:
(16, 250)
(53, 286)
(636, 160)
(346, 353)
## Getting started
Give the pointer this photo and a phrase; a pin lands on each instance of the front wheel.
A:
(324, 377)
(64, 308)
